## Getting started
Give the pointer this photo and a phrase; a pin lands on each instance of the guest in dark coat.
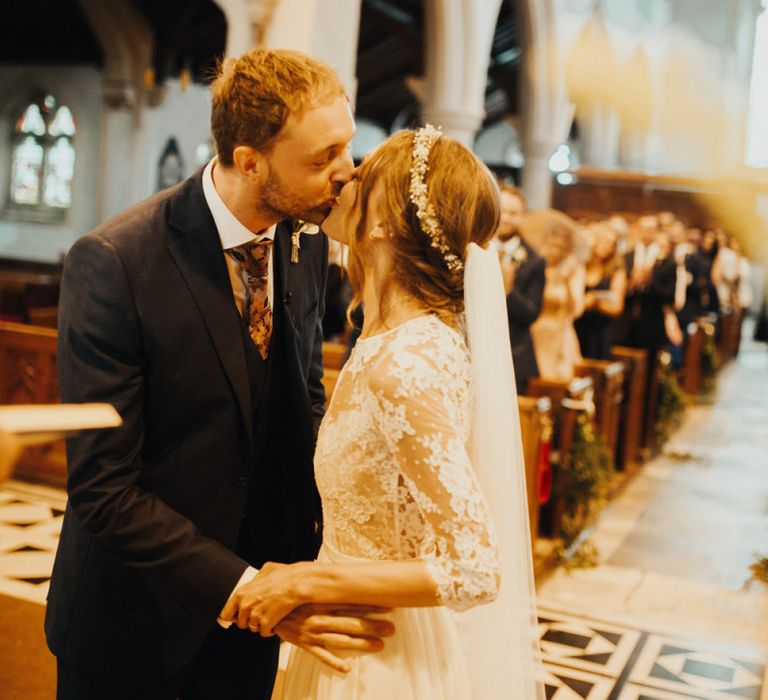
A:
(523, 271)
(605, 289)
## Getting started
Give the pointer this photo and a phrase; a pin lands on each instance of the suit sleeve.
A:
(101, 358)
(524, 305)
(315, 385)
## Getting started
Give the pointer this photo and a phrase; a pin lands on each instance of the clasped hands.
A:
(272, 603)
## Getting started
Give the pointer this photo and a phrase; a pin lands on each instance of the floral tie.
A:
(254, 258)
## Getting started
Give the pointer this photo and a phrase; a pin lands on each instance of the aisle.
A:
(675, 550)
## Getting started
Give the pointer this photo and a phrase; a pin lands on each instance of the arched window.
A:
(757, 133)
(170, 170)
(42, 158)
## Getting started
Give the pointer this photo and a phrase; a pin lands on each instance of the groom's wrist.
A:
(247, 576)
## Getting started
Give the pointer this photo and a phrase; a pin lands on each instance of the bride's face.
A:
(342, 220)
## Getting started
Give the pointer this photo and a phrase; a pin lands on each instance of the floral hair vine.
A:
(423, 141)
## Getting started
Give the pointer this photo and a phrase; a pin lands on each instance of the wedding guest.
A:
(523, 273)
(554, 337)
(605, 288)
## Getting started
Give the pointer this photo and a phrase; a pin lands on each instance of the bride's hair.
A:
(465, 199)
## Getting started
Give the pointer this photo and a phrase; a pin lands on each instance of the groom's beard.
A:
(282, 203)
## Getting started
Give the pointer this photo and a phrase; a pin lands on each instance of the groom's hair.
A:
(253, 96)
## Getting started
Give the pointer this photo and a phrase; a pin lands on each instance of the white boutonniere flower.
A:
(520, 255)
(300, 227)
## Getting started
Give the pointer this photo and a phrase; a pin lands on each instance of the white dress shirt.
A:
(232, 233)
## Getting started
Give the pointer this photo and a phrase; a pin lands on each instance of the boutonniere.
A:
(519, 256)
(300, 227)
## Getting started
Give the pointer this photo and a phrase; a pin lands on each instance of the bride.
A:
(418, 460)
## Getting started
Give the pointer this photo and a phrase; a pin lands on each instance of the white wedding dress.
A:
(393, 469)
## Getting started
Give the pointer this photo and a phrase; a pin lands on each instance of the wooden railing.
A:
(28, 376)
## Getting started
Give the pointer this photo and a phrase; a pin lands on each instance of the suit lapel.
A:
(198, 255)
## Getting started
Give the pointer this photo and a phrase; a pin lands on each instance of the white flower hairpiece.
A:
(423, 141)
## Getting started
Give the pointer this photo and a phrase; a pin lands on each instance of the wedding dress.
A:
(393, 469)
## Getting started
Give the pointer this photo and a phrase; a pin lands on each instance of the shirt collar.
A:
(232, 232)
(509, 246)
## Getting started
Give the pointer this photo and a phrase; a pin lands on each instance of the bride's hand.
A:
(265, 600)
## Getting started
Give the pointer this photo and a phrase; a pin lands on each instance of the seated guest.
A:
(523, 272)
(605, 287)
(651, 274)
(554, 338)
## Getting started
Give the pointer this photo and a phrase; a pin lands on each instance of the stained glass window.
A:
(43, 157)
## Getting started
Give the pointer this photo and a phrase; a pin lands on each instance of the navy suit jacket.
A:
(523, 308)
(148, 323)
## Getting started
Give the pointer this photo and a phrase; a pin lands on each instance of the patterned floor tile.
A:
(570, 684)
(30, 522)
(591, 646)
(699, 669)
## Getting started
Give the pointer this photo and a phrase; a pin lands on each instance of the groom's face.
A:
(309, 163)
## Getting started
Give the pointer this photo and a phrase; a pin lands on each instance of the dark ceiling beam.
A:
(397, 22)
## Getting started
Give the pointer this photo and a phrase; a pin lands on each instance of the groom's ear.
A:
(249, 162)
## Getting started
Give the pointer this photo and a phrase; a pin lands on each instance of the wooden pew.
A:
(334, 355)
(28, 375)
(608, 382)
(633, 407)
(568, 399)
(330, 377)
(694, 341)
(536, 428)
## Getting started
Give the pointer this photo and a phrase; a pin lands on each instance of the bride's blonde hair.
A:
(465, 199)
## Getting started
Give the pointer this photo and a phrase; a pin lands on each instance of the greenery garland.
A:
(585, 484)
(670, 403)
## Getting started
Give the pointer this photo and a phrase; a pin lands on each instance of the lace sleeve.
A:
(421, 395)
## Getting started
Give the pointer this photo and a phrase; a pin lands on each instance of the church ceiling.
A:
(190, 35)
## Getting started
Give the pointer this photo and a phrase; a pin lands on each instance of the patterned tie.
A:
(254, 258)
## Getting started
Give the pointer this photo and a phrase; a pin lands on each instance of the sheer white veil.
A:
(500, 639)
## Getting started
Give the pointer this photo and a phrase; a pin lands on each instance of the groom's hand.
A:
(322, 629)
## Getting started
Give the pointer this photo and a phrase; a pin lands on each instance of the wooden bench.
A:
(568, 400)
(628, 454)
(334, 355)
(536, 428)
(608, 382)
(28, 361)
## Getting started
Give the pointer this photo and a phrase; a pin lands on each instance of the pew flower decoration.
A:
(300, 227)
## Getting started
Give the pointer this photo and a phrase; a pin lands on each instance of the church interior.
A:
(643, 123)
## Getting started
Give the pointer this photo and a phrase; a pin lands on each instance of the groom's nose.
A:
(345, 169)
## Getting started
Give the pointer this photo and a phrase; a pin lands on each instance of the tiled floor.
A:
(30, 521)
(592, 660)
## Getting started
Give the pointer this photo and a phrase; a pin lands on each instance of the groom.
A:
(197, 314)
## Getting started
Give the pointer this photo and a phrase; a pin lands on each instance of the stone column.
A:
(547, 113)
(327, 29)
(127, 42)
(459, 34)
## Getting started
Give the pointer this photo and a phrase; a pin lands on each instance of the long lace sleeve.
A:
(422, 397)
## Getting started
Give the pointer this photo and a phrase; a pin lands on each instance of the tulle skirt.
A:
(423, 660)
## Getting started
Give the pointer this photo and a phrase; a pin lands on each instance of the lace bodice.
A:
(392, 463)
